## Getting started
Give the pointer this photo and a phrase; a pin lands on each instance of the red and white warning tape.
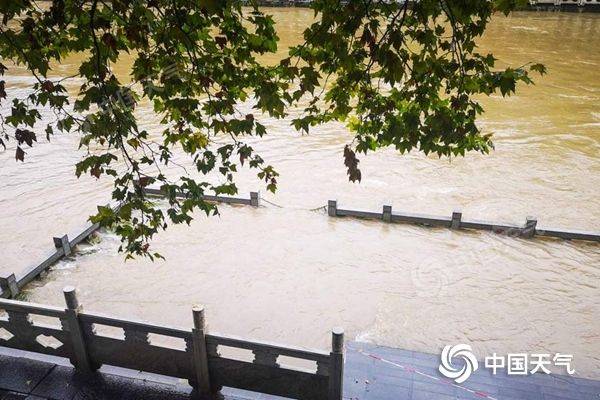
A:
(410, 369)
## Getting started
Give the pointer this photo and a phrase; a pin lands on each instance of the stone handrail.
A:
(199, 360)
(456, 221)
(254, 199)
(11, 284)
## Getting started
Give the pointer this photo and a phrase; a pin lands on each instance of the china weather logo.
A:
(469, 364)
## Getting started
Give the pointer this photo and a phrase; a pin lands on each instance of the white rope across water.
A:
(294, 208)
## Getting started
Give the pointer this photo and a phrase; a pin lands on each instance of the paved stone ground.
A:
(367, 377)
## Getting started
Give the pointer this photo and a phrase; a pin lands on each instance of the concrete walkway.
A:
(53, 378)
(371, 373)
(383, 373)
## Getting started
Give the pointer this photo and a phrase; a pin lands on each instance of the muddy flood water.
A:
(291, 274)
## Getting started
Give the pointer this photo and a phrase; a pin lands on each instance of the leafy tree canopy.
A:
(405, 75)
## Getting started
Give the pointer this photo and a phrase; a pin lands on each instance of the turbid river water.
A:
(290, 274)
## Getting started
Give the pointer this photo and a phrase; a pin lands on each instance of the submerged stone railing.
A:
(528, 230)
(199, 360)
(11, 284)
(254, 199)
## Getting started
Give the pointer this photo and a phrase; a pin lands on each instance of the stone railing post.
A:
(336, 366)
(81, 359)
(9, 285)
(456, 218)
(199, 354)
(387, 214)
(529, 228)
(63, 243)
(254, 199)
(332, 208)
